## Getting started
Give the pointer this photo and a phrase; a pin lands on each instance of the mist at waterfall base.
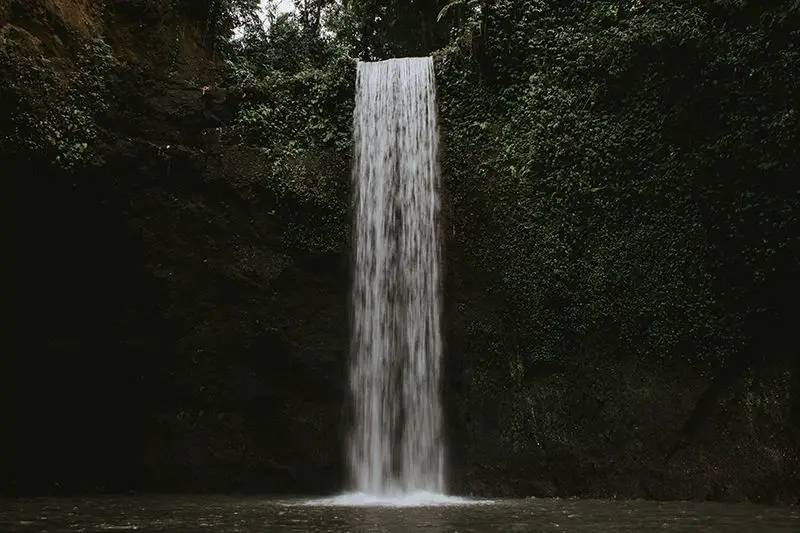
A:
(211, 514)
(395, 447)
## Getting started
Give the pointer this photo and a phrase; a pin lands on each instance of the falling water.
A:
(396, 441)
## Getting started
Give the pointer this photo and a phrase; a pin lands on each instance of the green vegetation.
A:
(58, 119)
(639, 166)
(625, 172)
(297, 89)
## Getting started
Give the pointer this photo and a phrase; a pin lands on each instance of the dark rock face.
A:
(162, 334)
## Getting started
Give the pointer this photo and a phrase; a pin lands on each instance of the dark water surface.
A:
(230, 514)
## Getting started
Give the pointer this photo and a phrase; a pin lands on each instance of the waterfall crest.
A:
(396, 442)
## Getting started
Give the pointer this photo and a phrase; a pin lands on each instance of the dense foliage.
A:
(301, 122)
(59, 120)
(628, 170)
(643, 161)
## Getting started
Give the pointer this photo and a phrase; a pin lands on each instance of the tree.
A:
(375, 29)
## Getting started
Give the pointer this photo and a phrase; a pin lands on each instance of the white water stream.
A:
(396, 443)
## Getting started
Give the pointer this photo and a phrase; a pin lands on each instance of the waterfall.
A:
(396, 442)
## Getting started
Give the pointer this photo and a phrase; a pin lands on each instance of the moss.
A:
(573, 180)
(614, 201)
(302, 125)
